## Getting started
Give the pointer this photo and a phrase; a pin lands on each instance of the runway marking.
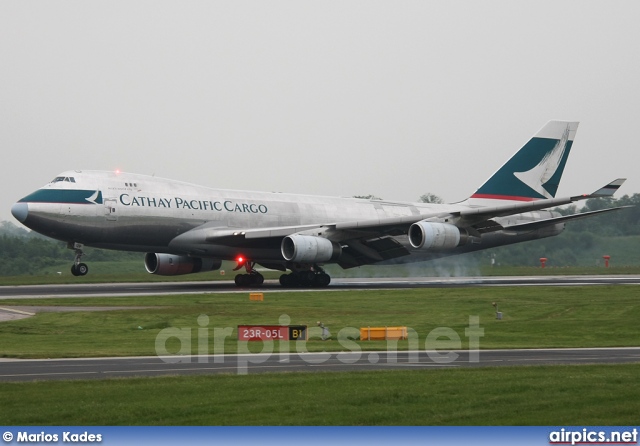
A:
(244, 363)
(419, 364)
(339, 284)
(231, 368)
(13, 310)
(162, 370)
(50, 374)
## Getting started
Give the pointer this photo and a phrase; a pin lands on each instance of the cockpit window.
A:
(67, 179)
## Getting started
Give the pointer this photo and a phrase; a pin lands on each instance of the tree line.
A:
(27, 252)
(584, 242)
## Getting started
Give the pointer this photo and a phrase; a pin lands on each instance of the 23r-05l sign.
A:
(272, 332)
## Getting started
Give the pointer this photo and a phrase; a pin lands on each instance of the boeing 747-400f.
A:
(186, 229)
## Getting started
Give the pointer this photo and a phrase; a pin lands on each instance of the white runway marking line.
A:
(13, 310)
(115, 372)
(419, 364)
(50, 374)
(231, 368)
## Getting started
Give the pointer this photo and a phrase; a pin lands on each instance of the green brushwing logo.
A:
(532, 173)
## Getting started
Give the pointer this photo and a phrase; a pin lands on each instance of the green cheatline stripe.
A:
(74, 196)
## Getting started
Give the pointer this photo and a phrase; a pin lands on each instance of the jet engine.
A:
(309, 249)
(173, 265)
(436, 236)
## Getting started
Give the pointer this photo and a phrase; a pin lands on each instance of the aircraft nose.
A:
(20, 211)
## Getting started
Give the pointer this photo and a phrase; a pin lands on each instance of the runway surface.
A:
(101, 368)
(164, 288)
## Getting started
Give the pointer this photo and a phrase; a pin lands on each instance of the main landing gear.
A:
(251, 278)
(314, 277)
(301, 276)
(78, 269)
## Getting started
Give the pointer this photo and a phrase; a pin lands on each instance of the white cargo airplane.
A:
(186, 229)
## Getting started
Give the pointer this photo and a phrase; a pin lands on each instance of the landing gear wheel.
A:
(323, 279)
(81, 269)
(285, 280)
(258, 279)
(252, 279)
(78, 269)
(305, 279)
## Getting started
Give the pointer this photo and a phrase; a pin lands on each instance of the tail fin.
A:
(534, 172)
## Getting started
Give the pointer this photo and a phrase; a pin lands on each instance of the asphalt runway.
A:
(100, 368)
(227, 286)
(12, 370)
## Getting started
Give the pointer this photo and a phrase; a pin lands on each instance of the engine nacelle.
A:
(309, 249)
(436, 236)
(173, 265)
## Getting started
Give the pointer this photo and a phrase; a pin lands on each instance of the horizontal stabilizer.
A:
(609, 189)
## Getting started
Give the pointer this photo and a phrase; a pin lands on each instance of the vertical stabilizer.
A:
(534, 172)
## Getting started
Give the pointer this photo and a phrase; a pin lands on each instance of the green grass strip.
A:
(547, 395)
(533, 317)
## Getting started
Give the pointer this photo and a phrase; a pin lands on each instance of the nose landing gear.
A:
(78, 268)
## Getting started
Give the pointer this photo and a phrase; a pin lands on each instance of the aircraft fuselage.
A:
(143, 213)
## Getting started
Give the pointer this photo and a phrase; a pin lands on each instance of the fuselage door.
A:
(110, 207)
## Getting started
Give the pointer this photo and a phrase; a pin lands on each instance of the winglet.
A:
(609, 189)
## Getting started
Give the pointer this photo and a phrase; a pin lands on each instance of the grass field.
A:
(602, 316)
(533, 317)
(558, 395)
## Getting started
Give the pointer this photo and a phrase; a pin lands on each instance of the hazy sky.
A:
(392, 98)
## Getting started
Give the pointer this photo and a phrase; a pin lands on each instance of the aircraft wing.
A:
(370, 241)
(471, 217)
(529, 226)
